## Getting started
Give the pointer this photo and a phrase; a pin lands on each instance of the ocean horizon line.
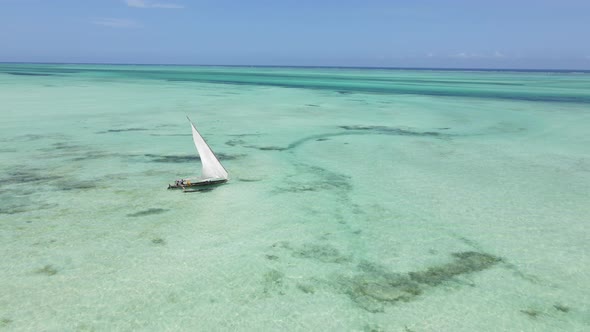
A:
(529, 70)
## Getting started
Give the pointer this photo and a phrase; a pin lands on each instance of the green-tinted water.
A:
(359, 199)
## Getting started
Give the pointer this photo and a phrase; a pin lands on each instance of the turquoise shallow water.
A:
(359, 200)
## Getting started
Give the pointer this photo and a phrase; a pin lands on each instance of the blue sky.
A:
(420, 33)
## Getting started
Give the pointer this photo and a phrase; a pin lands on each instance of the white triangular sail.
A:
(212, 168)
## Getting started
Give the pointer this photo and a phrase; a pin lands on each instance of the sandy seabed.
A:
(358, 200)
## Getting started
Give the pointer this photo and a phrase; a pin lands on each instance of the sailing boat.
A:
(212, 171)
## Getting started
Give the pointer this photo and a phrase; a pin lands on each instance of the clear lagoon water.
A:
(359, 199)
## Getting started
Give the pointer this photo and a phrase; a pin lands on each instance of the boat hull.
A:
(203, 183)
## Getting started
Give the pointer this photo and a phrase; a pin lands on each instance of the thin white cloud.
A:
(461, 55)
(150, 4)
(116, 23)
(466, 55)
(498, 54)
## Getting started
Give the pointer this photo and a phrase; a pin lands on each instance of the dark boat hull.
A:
(201, 184)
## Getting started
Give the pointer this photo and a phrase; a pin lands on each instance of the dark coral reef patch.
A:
(375, 287)
(147, 212)
(394, 131)
(323, 253)
(121, 130)
(48, 270)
